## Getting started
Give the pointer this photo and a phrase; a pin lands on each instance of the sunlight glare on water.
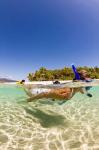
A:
(46, 124)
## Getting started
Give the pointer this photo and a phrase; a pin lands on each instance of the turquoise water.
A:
(47, 125)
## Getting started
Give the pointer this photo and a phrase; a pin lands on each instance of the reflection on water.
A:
(46, 125)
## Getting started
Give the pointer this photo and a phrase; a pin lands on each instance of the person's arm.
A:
(84, 91)
(39, 96)
(27, 91)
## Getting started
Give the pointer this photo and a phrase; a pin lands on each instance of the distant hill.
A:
(2, 80)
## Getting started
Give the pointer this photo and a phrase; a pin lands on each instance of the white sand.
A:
(38, 82)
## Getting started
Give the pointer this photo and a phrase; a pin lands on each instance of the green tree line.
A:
(66, 73)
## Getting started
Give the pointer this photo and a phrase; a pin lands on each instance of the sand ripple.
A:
(46, 125)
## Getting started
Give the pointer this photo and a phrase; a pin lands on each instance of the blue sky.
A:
(50, 33)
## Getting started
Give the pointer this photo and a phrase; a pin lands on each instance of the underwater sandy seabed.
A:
(47, 124)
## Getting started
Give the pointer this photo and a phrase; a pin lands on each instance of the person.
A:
(56, 82)
(65, 93)
(85, 78)
(21, 82)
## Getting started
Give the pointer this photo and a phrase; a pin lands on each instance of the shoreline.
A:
(49, 84)
(37, 82)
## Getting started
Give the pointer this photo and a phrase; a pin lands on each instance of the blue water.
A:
(47, 125)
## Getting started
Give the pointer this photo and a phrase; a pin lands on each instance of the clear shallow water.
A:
(46, 125)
